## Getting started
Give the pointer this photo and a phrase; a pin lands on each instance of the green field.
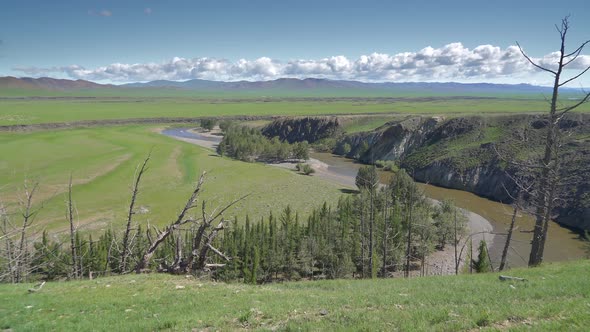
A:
(14, 112)
(103, 161)
(556, 297)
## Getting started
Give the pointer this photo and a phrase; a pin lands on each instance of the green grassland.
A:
(103, 161)
(35, 111)
(556, 297)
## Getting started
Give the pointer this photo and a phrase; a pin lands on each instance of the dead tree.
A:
(548, 179)
(202, 240)
(409, 237)
(162, 235)
(28, 215)
(134, 192)
(14, 252)
(70, 217)
(8, 232)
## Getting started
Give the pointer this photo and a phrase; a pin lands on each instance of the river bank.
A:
(441, 262)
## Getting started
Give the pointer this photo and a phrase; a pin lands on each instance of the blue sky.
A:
(132, 40)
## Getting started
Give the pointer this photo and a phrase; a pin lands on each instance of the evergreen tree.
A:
(482, 264)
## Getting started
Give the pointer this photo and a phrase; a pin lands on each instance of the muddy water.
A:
(562, 244)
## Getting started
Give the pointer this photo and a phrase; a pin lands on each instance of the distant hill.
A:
(316, 83)
(47, 83)
(281, 85)
(310, 84)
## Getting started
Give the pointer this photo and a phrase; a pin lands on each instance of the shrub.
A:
(307, 169)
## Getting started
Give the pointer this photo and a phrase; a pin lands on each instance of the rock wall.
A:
(310, 129)
(473, 154)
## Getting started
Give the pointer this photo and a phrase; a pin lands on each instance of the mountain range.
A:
(282, 84)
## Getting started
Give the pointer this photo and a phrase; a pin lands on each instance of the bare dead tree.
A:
(28, 217)
(548, 179)
(8, 249)
(409, 237)
(522, 188)
(180, 220)
(134, 192)
(200, 255)
(14, 251)
(202, 241)
(70, 217)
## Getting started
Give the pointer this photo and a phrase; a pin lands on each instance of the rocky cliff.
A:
(310, 129)
(478, 154)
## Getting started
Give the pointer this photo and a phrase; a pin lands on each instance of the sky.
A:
(122, 41)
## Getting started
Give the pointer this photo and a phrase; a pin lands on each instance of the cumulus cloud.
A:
(452, 62)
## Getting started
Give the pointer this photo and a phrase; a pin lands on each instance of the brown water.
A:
(562, 244)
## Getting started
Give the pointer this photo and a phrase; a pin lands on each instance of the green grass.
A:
(365, 123)
(14, 112)
(556, 297)
(103, 161)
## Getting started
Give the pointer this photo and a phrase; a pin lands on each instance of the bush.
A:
(304, 168)
(208, 124)
(307, 169)
(387, 165)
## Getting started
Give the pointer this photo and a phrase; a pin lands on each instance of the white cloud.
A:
(452, 62)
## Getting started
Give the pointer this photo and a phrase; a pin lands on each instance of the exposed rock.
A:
(471, 153)
(310, 129)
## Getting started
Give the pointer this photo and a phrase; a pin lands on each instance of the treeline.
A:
(376, 233)
(248, 144)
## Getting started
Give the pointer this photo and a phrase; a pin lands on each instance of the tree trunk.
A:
(131, 212)
(508, 238)
(72, 231)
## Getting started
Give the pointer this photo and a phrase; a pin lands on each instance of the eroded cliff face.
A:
(391, 141)
(476, 154)
(310, 129)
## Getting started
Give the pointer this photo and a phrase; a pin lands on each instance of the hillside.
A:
(47, 83)
(555, 297)
(312, 87)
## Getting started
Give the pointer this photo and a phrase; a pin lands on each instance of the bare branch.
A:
(218, 253)
(575, 77)
(135, 192)
(177, 223)
(569, 108)
(532, 62)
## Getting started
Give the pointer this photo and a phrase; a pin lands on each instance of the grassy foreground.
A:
(555, 297)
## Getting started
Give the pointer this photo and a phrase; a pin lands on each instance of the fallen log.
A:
(39, 286)
(504, 278)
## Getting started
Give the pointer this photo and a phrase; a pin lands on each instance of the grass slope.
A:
(14, 112)
(102, 162)
(556, 297)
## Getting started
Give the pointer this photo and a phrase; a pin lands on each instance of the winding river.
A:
(562, 244)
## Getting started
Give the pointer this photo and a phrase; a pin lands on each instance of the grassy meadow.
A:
(103, 161)
(556, 297)
(35, 111)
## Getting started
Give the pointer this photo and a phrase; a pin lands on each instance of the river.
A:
(562, 244)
